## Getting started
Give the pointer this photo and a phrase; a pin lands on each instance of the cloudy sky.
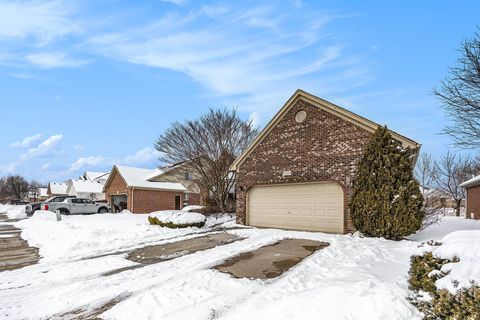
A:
(86, 84)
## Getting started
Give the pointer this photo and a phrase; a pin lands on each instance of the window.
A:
(300, 116)
(186, 197)
(76, 201)
(188, 176)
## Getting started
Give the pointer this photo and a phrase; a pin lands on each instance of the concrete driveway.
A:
(15, 252)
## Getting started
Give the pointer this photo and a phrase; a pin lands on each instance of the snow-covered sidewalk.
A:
(353, 278)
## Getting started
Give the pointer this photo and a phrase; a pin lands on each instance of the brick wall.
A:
(146, 201)
(324, 147)
(117, 186)
(194, 199)
(473, 202)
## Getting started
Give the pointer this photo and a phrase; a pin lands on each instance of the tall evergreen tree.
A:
(386, 198)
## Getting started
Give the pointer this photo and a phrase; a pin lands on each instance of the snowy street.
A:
(352, 278)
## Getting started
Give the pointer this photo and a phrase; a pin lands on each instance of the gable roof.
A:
(139, 178)
(85, 186)
(92, 175)
(328, 107)
(43, 192)
(166, 169)
(58, 188)
(475, 181)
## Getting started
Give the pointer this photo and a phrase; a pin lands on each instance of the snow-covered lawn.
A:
(353, 278)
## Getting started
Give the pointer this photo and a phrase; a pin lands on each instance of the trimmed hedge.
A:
(172, 225)
(463, 304)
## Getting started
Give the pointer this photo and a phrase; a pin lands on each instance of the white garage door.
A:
(311, 207)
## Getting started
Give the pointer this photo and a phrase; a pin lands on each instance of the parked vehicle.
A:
(73, 205)
(32, 207)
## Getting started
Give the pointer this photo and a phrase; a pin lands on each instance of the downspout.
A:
(133, 189)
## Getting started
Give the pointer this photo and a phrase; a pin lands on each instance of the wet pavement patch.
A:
(15, 252)
(270, 261)
(164, 252)
(89, 313)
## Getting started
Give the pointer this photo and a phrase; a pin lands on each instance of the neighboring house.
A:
(147, 190)
(436, 198)
(92, 190)
(37, 194)
(472, 188)
(57, 189)
(101, 177)
(298, 172)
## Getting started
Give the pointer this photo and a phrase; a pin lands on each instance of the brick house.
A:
(472, 188)
(298, 172)
(146, 190)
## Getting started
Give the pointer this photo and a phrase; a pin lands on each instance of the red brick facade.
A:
(145, 200)
(473, 202)
(323, 147)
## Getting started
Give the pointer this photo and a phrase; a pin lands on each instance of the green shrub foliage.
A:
(386, 198)
(172, 225)
(463, 304)
(420, 269)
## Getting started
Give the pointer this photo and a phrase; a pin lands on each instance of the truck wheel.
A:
(64, 211)
(102, 210)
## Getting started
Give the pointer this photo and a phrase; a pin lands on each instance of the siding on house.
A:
(324, 147)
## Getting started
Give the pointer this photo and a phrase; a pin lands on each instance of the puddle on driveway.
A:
(270, 261)
(164, 252)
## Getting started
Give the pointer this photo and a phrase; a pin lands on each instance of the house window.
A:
(188, 176)
(300, 116)
(186, 197)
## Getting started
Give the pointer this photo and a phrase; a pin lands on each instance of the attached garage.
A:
(296, 206)
(299, 171)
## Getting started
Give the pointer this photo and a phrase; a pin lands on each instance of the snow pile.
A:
(445, 226)
(77, 236)
(13, 211)
(464, 245)
(178, 217)
(192, 208)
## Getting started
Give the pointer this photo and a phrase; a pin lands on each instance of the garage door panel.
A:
(312, 207)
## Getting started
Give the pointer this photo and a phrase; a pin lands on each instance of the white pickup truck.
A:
(76, 206)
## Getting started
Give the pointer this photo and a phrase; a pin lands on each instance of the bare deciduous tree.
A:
(425, 172)
(452, 170)
(460, 94)
(16, 187)
(210, 144)
(425, 175)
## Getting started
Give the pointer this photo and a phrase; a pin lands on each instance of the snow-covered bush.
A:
(192, 207)
(386, 198)
(177, 219)
(422, 274)
(445, 281)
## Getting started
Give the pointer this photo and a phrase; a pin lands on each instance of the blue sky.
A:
(85, 84)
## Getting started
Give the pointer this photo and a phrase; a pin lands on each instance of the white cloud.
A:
(244, 55)
(26, 142)
(255, 118)
(44, 21)
(91, 161)
(177, 2)
(21, 75)
(48, 60)
(46, 149)
(79, 147)
(144, 156)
